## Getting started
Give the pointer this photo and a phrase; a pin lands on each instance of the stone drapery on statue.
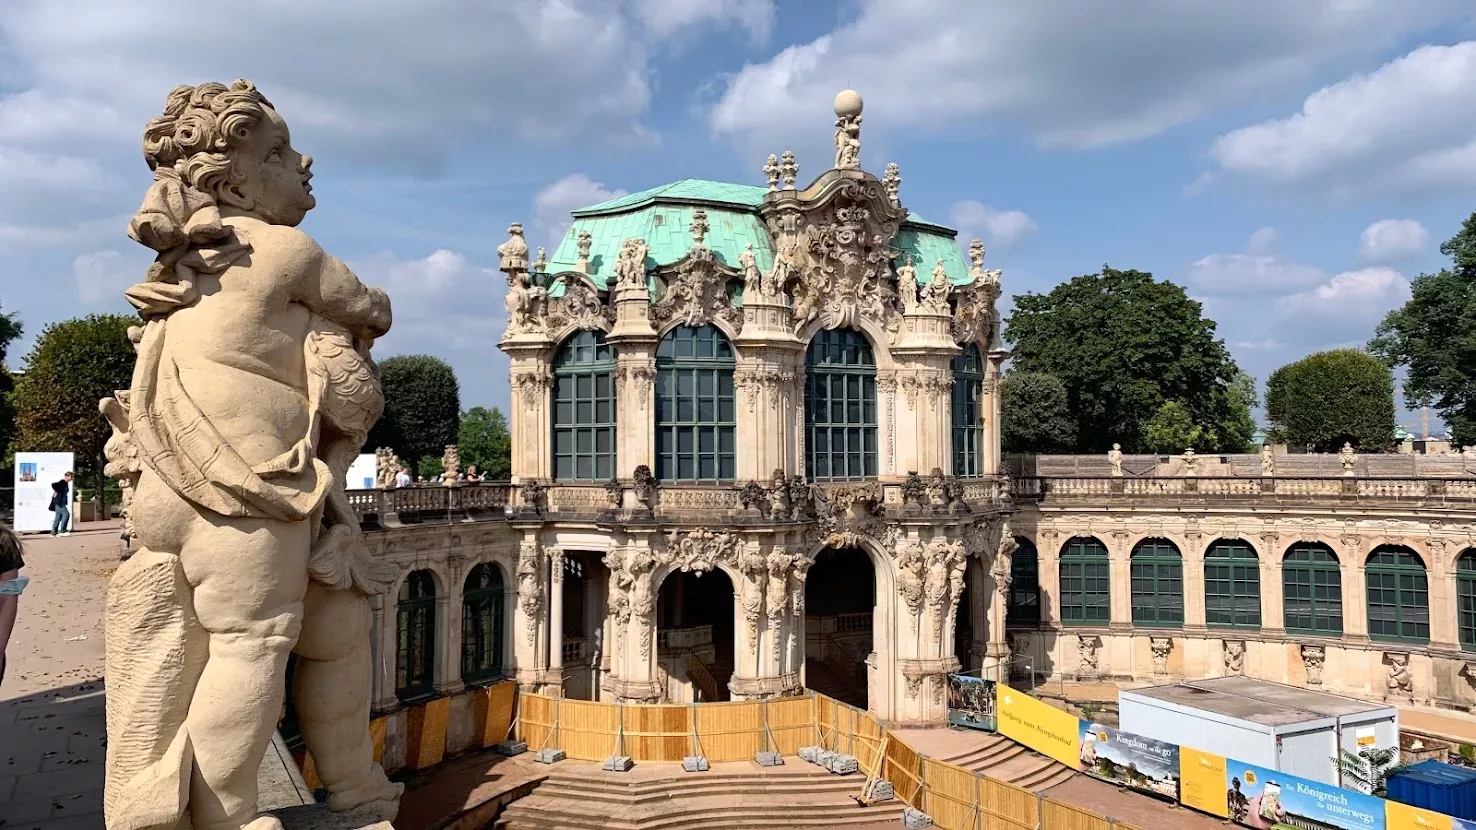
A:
(252, 394)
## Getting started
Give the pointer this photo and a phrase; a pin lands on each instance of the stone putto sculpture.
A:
(771, 172)
(892, 183)
(252, 394)
(1268, 462)
(1114, 459)
(584, 242)
(1348, 458)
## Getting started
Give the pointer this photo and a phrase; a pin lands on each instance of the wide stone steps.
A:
(1004, 760)
(663, 797)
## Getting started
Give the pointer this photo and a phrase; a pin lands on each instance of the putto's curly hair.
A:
(199, 127)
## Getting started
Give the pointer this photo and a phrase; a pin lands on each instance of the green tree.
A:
(1034, 413)
(74, 364)
(422, 408)
(1171, 429)
(1368, 770)
(10, 330)
(1328, 398)
(1433, 337)
(1123, 343)
(485, 442)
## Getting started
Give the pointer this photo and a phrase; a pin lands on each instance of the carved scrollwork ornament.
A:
(697, 293)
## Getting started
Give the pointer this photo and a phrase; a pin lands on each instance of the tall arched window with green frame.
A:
(1232, 585)
(696, 423)
(483, 598)
(840, 406)
(415, 635)
(1086, 585)
(968, 427)
(1157, 575)
(1398, 595)
(584, 409)
(1024, 605)
(1312, 590)
(1466, 599)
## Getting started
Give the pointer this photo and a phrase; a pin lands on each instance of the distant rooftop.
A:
(1258, 701)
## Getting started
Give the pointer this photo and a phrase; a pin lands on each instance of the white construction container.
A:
(1291, 730)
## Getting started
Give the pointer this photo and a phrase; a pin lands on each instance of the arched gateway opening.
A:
(840, 603)
(694, 635)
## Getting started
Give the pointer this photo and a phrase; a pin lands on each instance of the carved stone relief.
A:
(530, 588)
(1160, 647)
(1234, 657)
(1398, 685)
(1313, 658)
(1087, 648)
(697, 290)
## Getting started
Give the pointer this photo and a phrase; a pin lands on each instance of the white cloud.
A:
(996, 227)
(667, 18)
(1118, 73)
(1390, 240)
(1258, 271)
(1350, 303)
(101, 277)
(1409, 125)
(552, 204)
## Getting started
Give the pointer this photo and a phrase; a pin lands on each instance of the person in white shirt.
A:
(402, 478)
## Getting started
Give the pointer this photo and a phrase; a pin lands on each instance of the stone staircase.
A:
(823, 678)
(722, 671)
(579, 796)
(993, 755)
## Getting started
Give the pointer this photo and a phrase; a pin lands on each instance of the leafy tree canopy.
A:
(1433, 337)
(1035, 414)
(422, 408)
(74, 364)
(485, 441)
(1123, 344)
(1329, 398)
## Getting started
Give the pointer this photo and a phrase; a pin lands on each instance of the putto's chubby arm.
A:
(327, 287)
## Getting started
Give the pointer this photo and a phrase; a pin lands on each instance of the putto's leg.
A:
(248, 583)
(332, 691)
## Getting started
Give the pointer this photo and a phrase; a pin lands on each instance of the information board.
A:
(34, 473)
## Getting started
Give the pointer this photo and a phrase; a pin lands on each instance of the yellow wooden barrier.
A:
(952, 795)
(1055, 814)
(902, 765)
(732, 731)
(586, 730)
(536, 721)
(1006, 806)
(659, 733)
(790, 724)
(495, 705)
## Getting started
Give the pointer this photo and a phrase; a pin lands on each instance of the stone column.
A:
(924, 427)
(530, 407)
(1273, 609)
(1441, 576)
(1120, 578)
(770, 371)
(1355, 589)
(635, 375)
(981, 589)
(556, 612)
(992, 412)
(1048, 560)
(634, 655)
(385, 652)
(530, 641)
(448, 634)
(1193, 556)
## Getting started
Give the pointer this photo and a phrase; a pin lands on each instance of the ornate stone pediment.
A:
(699, 550)
(696, 292)
(973, 304)
(835, 247)
(581, 306)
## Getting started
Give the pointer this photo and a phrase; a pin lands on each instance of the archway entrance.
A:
(694, 635)
(840, 602)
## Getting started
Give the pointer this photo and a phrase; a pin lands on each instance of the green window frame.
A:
(1086, 586)
(696, 420)
(840, 407)
(1398, 595)
(1466, 599)
(1232, 585)
(1024, 605)
(415, 636)
(1312, 590)
(483, 597)
(584, 409)
(1156, 571)
(968, 426)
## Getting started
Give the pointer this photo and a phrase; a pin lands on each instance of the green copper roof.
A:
(662, 215)
(686, 190)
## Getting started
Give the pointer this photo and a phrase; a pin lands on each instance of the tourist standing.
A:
(61, 506)
(11, 585)
(402, 478)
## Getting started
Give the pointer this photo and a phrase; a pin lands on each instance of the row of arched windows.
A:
(696, 409)
(482, 625)
(1398, 595)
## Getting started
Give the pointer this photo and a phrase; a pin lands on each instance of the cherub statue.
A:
(252, 394)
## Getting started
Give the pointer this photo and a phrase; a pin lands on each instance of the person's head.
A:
(67, 475)
(10, 543)
(229, 145)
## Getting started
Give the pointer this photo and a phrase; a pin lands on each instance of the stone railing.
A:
(1340, 489)
(430, 504)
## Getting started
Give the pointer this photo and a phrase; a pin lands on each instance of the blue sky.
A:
(1292, 164)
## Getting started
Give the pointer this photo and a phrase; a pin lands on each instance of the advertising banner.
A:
(1043, 728)
(34, 474)
(1263, 799)
(361, 473)
(1202, 777)
(1404, 817)
(971, 702)
(1130, 760)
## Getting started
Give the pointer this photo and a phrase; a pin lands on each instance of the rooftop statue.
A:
(848, 130)
(252, 394)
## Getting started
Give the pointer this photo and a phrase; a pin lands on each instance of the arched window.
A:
(1398, 595)
(584, 409)
(1086, 592)
(968, 429)
(1024, 605)
(1157, 573)
(415, 636)
(1312, 590)
(695, 420)
(482, 623)
(1232, 585)
(840, 406)
(1466, 599)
